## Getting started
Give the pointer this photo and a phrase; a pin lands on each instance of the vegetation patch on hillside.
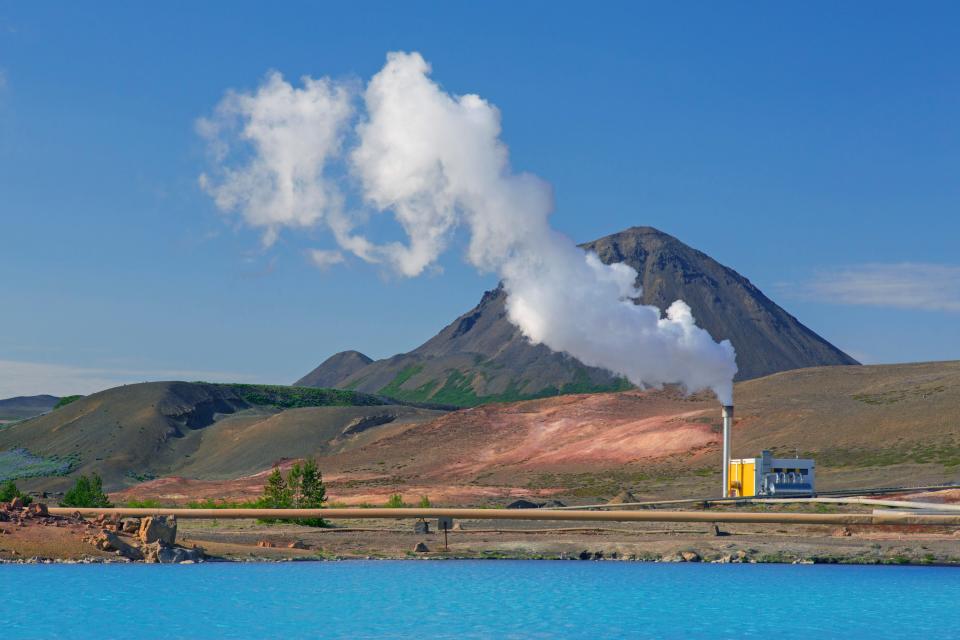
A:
(64, 401)
(458, 388)
(20, 463)
(298, 397)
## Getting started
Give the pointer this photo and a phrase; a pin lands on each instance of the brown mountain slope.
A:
(334, 369)
(481, 357)
(866, 426)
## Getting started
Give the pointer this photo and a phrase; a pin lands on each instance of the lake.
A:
(478, 599)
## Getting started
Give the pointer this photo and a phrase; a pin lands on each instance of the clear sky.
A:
(812, 146)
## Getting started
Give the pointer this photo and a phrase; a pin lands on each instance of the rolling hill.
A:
(26, 406)
(865, 426)
(481, 357)
(140, 431)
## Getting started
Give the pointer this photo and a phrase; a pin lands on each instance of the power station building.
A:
(771, 477)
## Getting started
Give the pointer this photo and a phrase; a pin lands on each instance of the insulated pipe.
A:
(652, 515)
(727, 426)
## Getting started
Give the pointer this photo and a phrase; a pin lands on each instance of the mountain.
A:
(26, 406)
(334, 369)
(481, 357)
(139, 431)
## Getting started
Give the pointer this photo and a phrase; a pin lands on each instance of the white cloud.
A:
(293, 132)
(324, 258)
(19, 378)
(908, 285)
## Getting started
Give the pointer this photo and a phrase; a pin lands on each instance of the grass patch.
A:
(20, 463)
(283, 397)
(457, 389)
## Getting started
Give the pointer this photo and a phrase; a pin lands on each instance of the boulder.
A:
(265, 543)
(158, 529)
(297, 544)
(690, 556)
(421, 548)
(38, 509)
(130, 525)
(157, 552)
(110, 541)
(16, 503)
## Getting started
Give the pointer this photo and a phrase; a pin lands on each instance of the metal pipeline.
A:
(530, 514)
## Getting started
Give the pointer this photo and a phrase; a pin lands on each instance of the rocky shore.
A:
(30, 534)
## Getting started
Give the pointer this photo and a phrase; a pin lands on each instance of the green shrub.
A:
(86, 492)
(395, 502)
(9, 491)
(424, 502)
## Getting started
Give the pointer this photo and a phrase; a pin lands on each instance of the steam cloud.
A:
(436, 161)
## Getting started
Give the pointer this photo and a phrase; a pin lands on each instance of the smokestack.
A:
(727, 426)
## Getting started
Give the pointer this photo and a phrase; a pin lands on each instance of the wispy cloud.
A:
(324, 258)
(19, 378)
(908, 285)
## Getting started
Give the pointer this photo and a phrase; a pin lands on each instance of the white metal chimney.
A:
(727, 426)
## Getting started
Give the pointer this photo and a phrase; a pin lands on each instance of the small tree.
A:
(424, 502)
(294, 482)
(9, 491)
(312, 492)
(276, 493)
(86, 492)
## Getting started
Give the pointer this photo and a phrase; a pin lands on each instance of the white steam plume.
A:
(435, 161)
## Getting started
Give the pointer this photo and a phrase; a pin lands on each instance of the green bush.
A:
(9, 491)
(424, 502)
(395, 501)
(86, 492)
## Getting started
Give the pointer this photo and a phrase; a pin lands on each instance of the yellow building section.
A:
(742, 478)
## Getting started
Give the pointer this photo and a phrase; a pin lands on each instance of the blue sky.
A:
(813, 147)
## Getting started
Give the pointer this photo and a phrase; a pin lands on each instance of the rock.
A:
(38, 509)
(552, 504)
(717, 532)
(297, 544)
(157, 552)
(421, 548)
(265, 543)
(109, 541)
(130, 525)
(690, 556)
(842, 532)
(421, 527)
(458, 526)
(16, 503)
(523, 504)
(585, 555)
(158, 529)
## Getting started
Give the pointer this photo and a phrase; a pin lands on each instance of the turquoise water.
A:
(478, 599)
